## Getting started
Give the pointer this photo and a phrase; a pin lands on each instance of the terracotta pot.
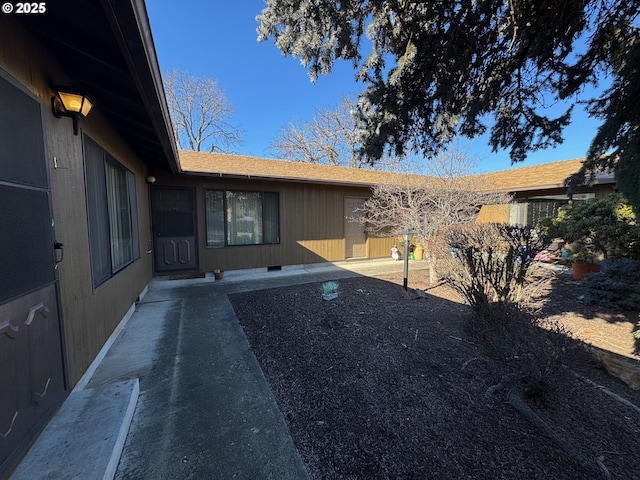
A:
(580, 270)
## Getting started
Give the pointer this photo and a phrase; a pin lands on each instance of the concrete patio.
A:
(182, 386)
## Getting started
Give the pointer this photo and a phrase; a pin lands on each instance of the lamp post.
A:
(407, 233)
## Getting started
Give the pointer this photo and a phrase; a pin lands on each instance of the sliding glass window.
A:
(113, 220)
(242, 218)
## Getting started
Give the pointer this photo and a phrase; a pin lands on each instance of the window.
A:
(113, 219)
(241, 218)
(529, 212)
(26, 234)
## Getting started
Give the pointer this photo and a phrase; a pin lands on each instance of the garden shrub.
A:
(491, 263)
(606, 225)
(616, 286)
(492, 266)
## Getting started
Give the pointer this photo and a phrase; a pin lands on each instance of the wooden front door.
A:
(174, 229)
(354, 232)
(32, 379)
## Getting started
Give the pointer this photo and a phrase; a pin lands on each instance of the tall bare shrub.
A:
(448, 193)
(492, 266)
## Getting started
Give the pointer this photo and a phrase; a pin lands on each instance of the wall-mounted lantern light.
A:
(69, 104)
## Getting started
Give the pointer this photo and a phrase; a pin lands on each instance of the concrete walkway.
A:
(204, 408)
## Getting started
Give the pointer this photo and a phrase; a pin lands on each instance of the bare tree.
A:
(448, 194)
(200, 113)
(328, 139)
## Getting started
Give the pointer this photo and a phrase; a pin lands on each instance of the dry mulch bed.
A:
(382, 383)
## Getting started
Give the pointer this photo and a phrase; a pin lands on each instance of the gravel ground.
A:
(382, 383)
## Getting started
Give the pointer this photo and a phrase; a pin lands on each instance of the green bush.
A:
(616, 286)
(605, 225)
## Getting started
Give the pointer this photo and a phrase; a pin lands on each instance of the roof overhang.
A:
(600, 179)
(537, 178)
(279, 178)
(106, 48)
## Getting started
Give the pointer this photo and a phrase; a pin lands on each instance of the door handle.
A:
(59, 246)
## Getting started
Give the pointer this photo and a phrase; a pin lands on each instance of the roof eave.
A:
(276, 178)
(130, 24)
(551, 186)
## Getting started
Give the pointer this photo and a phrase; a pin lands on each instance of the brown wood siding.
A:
(493, 213)
(599, 190)
(89, 315)
(380, 247)
(311, 224)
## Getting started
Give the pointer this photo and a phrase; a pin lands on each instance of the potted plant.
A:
(599, 228)
(583, 261)
(330, 290)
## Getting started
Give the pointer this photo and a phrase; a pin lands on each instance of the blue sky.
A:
(218, 39)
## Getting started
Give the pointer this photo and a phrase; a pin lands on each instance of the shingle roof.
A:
(240, 166)
(535, 177)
